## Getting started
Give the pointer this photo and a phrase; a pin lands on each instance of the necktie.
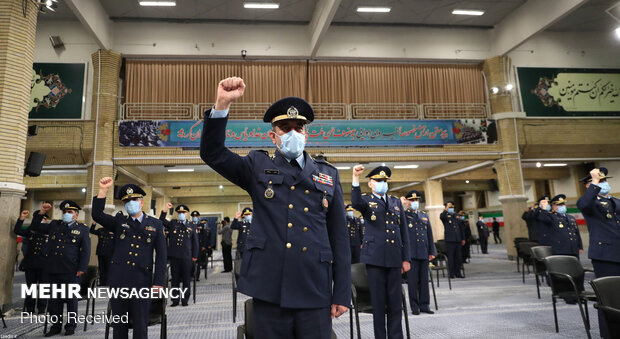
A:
(295, 164)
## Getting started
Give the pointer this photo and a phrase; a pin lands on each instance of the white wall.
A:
(614, 171)
(79, 45)
(566, 186)
(529, 191)
(493, 199)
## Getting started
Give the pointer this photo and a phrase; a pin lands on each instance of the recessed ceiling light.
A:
(367, 9)
(261, 5)
(382, 164)
(494, 90)
(617, 30)
(83, 190)
(158, 3)
(467, 12)
(554, 165)
(406, 166)
(508, 87)
(467, 181)
(180, 169)
(538, 164)
(343, 167)
(221, 187)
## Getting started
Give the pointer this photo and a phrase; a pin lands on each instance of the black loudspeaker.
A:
(56, 41)
(35, 164)
(493, 185)
(116, 189)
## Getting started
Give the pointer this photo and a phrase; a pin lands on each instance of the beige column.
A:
(18, 26)
(509, 172)
(147, 198)
(433, 192)
(160, 204)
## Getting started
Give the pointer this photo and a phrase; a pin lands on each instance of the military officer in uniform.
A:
(204, 242)
(454, 238)
(422, 251)
(34, 259)
(385, 248)
(544, 238)
(561, 228)
(354, 226)
(182, 249)
(483, 234)
(529, 216)
(602, 214)
(242, 223)
(136, 236)
(296, 263)
(67, 259)
(465, 249)
(105, 248)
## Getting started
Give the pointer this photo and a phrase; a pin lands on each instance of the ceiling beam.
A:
(323, 15)
(95, 19)
(529, 19)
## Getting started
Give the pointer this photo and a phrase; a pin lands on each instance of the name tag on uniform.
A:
(125, 225)
(75, 232)
(151, 228)
(272, 171)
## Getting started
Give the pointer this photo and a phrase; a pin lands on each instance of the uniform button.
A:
(290, 225)
(137, 246)
(305, 229)
(305, 209)
(270, 182)
(307, 192)
(288, 245)
(130, 253)
(387, 222)
(292, 188)
(304, 249)
(133, 264)
(392, 241)
(128, 263)
(393, 232)
(387, 231)
(290, 206)
(387, 240)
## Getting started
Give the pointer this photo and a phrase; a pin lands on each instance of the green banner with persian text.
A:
(564, 92)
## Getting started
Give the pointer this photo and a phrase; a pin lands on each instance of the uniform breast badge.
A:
(269, 193)
(373, 217)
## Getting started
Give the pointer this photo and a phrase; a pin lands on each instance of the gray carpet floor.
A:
(492, 302)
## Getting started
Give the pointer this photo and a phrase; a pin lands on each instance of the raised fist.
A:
(46, 206)
(596, 175)
(24, 215)
(543, 204)
(229, 90)
(105, 183)
(357, 170)
(237, 215)
(168, 206)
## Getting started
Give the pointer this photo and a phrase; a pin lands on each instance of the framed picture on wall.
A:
(57, 90)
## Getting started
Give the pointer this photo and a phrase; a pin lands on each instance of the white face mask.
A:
(292, 144)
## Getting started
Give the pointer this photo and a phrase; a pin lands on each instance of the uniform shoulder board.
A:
(263, 152)
(364, 194)
(323, 161)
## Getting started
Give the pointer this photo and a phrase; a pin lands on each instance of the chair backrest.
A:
(237, 268)
(568, 265)
(359, 279)
(525, 248)
(158, 308)
(607, 291)
(248, 310)
(541, 252)
(87, 279)
(440, 246)
(518, 240)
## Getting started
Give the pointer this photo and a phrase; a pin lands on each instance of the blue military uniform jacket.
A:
(68, 245)
(386, 242)
(603, 218)
(182, 238)
(452, 227)
(105, 245)
(297, 254)
(204, 234)
(563, 233)
(420, 235)
(35, 244)
(483, 229)
(134, 242)
(544, 237)
(354, 226)
(244, 230)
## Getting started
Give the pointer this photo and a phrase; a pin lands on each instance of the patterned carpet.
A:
(491, 302)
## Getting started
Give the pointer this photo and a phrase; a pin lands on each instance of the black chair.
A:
(475, 241)
(524, 250)
(157, 315)
(566, 276)
(539, 253)
(360, 295)
(2, 316)
(606, 290)
(440, 246)
(235, 278)
(516, 242)
(440, 263)
(430, 276)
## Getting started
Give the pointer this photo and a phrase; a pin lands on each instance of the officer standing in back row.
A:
(182, 249)
(454, 238)
(602, 214)
(422, 248)
(385, 249)
(561, 227)
(105, 248)
(354, 226)
(132, 266)
(483, 234)
(204, 242)
(242, 223)
(67, 258)
(297, 261)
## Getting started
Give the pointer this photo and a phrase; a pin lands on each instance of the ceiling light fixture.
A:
(406, 166)
(343, 167)
(221, 187)
(494, 90)
(617, 30)
(83, 190)
(367, 9)
(180, 169)
(508, 87)
(555, 165)
(467, 181)
(261, 5)
(467, 12)
(538, 164)
(158, 3)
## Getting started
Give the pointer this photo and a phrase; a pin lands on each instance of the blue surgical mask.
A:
(350, 214)
(292, 145)
(451, 210)
(195, 219)
(415, 205)
(67, 218)
(248, 218)
(182, 217)
(381, 187)
(562, 209)
(605, 188)
(132, 207)
(548, 208)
